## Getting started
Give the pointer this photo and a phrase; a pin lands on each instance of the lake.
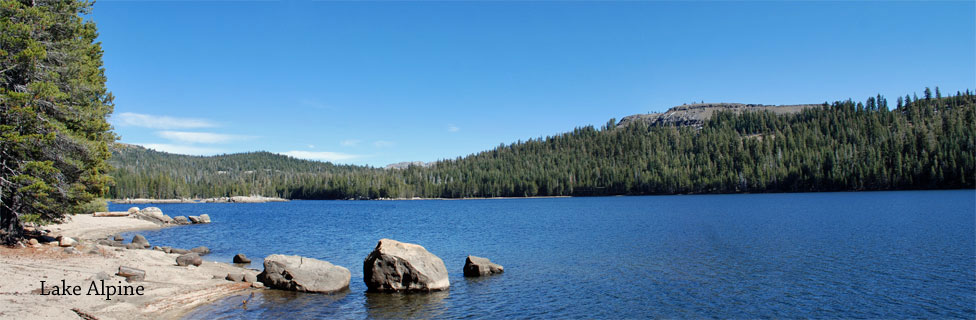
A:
(908, 254)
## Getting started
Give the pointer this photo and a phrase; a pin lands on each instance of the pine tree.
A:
(53, 108)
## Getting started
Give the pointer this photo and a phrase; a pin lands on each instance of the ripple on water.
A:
(823, 255)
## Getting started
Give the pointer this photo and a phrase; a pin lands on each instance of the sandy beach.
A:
(169, 291)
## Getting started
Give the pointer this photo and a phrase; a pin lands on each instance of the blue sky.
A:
(382, 82)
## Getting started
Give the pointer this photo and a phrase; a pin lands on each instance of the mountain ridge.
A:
(696, 115)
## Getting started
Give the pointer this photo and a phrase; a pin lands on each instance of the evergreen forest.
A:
(920, 143)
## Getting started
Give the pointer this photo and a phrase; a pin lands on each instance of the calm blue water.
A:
(821, 255)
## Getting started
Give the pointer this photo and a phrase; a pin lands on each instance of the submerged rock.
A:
(399, 266)
(478, 266)
(303, 274)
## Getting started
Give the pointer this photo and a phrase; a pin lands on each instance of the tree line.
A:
(922, 143)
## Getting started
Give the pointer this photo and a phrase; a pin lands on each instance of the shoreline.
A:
(234, 199)
(197, 201)
(170, 291)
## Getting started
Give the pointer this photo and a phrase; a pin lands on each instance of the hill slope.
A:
(928, 143)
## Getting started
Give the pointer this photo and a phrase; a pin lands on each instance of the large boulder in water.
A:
(181, 220)
(478, 266)
(204, 218)
(399, 266)
(303, 274)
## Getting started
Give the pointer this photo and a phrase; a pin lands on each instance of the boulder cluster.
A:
(392, 266)
(154, 214)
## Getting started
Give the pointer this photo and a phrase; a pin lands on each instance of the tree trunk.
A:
(11, 230)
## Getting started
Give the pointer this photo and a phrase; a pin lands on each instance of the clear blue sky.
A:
(382, 82)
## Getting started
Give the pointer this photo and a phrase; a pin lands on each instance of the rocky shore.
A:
(86, 258)
(84, 268)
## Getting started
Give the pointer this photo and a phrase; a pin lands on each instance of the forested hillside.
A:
(924, 143)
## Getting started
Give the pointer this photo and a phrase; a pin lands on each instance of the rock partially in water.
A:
(398, 266)
(140, 240)
(241, 258)
(181, 220)
(201, 250)
(303, 274)
(153, 214)
(478, 266)
(194, 219)
(191, 258)
(204, 218)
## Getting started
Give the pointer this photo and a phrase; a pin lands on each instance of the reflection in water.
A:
(271, 304)
(406, 305)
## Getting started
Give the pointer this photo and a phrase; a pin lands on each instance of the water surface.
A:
(909, 254)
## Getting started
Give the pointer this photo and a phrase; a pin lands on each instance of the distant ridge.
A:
(695, 115)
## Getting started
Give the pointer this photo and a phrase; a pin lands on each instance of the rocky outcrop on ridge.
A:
(695, 115)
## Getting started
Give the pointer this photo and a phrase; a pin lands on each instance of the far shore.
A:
(170, 291)
(234, 199)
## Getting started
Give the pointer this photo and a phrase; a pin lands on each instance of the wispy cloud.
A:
(179, 149)
(321, 155)
(350, 142)
(383, 144)
(159, 122)
(198, 137)
(453, 128)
